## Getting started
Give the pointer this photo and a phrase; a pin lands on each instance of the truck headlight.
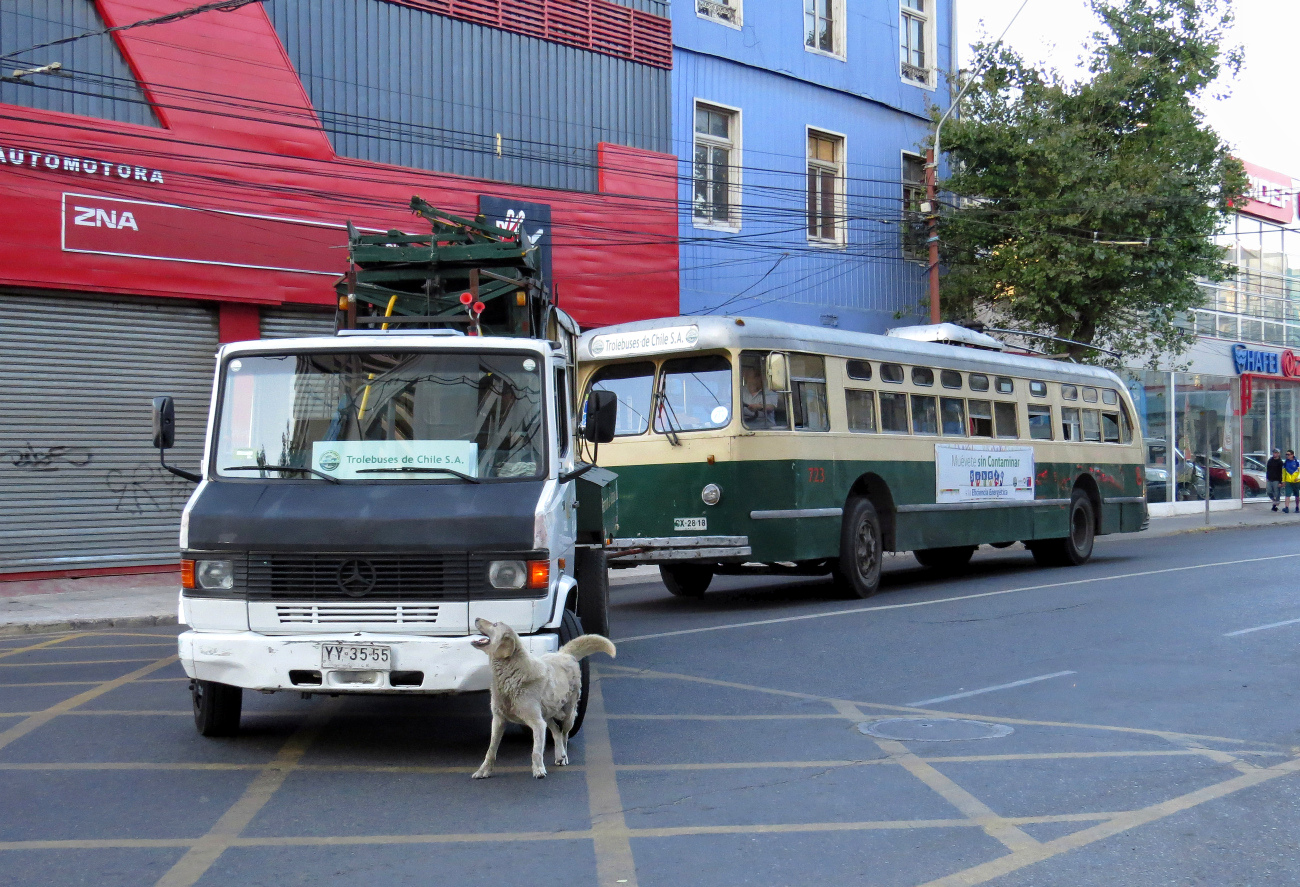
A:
(711, 494)
(507, 574)
(215, 574)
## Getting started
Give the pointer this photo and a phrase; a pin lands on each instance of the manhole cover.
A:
(933, 729)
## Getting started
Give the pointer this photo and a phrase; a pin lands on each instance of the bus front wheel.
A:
(857, 572)
(686, 580)
(1076, 548)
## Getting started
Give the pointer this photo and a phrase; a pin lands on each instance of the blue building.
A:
(799, 127)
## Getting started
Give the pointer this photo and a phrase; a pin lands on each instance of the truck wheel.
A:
(570, 628)
(216, 707)
(1076, 548)
(591, 569)
(948, 560)
(686, 580)
(857, 572)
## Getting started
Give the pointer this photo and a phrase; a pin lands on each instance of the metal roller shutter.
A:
(287, 323)
(79, 481)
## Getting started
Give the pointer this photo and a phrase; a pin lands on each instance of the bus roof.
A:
(669, 335)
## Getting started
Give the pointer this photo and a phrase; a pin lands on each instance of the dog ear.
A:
(506, 645)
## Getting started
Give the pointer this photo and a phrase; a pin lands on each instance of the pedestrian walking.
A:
(1291, 477)
(1273, 474)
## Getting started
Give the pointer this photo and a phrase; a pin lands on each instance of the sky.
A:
(1258, 119)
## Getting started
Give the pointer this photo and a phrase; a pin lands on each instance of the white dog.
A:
(534, 691)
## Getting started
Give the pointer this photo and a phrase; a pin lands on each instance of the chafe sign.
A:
(1265, 363)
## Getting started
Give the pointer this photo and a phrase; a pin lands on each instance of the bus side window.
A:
(1040, 422)
(1070, 427)
(760, 407)
(1091, 425)
(981, 416)
(1090, 395)
(893, 412)
(891, 372)
(925, 420)
(979, 382)
(1125, 426)
(808, 386)
(1110, 427)
(859, 369)
(952, 415)
(1069, 392)
(1005, 414)
(632, 385)
(861, 407)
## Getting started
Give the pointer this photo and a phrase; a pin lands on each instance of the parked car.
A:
(1252, 482)
(1189, 476)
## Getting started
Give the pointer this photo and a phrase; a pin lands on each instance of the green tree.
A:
(1055, 172)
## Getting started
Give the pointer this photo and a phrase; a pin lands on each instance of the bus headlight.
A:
(711, 494)
(215, 574)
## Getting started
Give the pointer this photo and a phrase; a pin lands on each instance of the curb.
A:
(18, 629)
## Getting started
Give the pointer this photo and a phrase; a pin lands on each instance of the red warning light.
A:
(466, 298)
(478, 307)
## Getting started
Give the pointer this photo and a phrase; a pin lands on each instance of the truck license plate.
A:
(690, 523)
(369, 656)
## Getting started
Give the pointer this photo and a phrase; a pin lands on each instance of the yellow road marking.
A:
(204, 852)
(41, 645)
(614, 862)
(52, 684)
(795, 717)
(22, 728)
(75, 662)
(168, 643)
(986, 872)
(130, 765)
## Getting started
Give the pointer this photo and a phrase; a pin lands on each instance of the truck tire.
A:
(1076, 548)
(591, 569)
(570, 628)
(945, 560)
(686, 580)
(857, 571)
(216, 707)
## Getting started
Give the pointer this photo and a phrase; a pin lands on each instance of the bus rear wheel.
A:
(1076, 548)
(686, 580)
(945, 559)
(857, 572)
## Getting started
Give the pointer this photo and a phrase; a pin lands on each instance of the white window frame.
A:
(730, 13)
(838, 31)
(931, 43)
(904, 219)
(733, 188)
(841, 177)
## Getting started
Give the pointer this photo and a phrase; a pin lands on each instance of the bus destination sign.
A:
(668, 338)
(983, 473)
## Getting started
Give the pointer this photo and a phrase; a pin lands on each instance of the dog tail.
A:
(586, 644)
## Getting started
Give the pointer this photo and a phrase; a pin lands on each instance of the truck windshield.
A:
(381, 416)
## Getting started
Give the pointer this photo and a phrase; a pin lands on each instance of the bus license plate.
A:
(369, 656)
(690, 523)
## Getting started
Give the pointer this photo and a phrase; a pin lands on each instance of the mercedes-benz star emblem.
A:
(356, 578)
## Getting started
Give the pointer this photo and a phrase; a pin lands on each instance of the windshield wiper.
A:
(329, 477)
(422, 469)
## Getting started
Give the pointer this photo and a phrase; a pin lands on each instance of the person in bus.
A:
(1273, 474)
(1291, 477)
(757, 406)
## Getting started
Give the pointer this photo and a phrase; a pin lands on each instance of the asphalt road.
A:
(1134, 723)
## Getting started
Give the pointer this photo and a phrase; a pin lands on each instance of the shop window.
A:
(1004, 415)
(981, 418)
(715, 174)
(1069, 392)
(891, 372)
(1090, 395)
(925, 419)
(859, 369)
(633, 385)
(861, 406)
(952, 415)
(922, 376)
(1071, 429)
(1109, 396)
(893, 412)
(808, 388)
(1003, 385)
(979, 382)
(694, 394)
(826, 223)
(950, 379)
(760, 406)
(1091, 425)
(1040, 421)
(1110, 427)
(1038, 389)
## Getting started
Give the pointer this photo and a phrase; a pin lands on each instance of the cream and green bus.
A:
(746, 444)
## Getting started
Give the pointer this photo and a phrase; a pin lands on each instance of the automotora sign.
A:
(78, 164)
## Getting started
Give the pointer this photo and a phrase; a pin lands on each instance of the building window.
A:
(913, 221)
(916, 32)
(825, 187)
(716, 172)
(823, 26)
(728, 12)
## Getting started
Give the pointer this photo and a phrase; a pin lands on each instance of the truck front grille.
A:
(344, 576)
(335, 614)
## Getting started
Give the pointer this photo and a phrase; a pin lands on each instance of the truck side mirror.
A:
(601, 411)
(778, 373)
(164, 423)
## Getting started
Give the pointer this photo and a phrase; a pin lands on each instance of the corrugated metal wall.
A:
(287, 323)
(95, 80)
(79, 481)
(403, 86)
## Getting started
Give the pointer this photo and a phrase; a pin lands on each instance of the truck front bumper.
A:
(273, 662)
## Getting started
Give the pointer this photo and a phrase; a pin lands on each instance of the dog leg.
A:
(498, 730)
(561, 743)
(538, 726)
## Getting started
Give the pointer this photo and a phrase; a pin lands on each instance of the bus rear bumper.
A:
(673, 549)
(270, 662)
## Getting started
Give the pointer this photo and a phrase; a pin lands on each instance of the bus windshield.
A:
(347, 415)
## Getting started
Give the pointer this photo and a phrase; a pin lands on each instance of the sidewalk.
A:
(54, 605)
